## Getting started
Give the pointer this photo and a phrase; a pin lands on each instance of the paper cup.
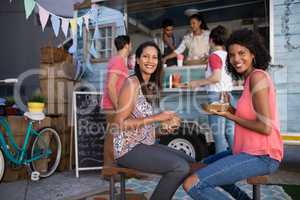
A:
(180, 58)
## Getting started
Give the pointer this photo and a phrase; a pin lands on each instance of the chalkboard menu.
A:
(90, 127)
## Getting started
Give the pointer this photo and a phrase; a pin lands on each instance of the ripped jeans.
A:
(225, 171)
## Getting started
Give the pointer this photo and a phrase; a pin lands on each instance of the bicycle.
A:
(40, 151)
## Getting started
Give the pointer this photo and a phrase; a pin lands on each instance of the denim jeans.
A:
(222, 128)
(225, 170)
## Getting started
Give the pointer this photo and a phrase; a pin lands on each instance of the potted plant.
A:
(36, 103)
(10, 106)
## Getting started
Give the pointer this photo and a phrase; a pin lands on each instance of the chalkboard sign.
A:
(90, 127)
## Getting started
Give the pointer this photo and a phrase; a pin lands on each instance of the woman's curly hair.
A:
(254, 43)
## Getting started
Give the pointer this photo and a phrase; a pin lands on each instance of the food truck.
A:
(277, 21)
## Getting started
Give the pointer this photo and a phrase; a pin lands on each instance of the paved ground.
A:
(66, 186)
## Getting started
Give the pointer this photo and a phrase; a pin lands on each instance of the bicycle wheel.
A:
(47, 146)
(2, 165)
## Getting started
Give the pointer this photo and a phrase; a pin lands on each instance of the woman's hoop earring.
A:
(254, 62)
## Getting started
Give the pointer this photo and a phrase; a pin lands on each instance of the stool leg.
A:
(256, 192)
(112, 188)
(122, 188)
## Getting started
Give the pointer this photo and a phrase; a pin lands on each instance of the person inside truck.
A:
(196, 42)
(258, 147)
(218, 86)
(169, 40)
(117, 72)
(134, 131)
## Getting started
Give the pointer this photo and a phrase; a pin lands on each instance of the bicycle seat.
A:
(35, 116)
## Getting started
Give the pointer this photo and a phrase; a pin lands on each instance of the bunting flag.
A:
(86, 21)
(72, 49)
(80, 22)
(96, 33)
(93, 51)
(73, 23)
(44, 15)
(29, 6)
(55, 20)
(55, 24)
(65, 26)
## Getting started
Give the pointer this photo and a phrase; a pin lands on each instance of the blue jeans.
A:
(225, 170)
(222, 128)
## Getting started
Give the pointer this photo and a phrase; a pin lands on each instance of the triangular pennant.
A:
(29, 6)
(73, 23)
(79, 22)
(96, 33)
(65, 26)
(55, 24)
(94, 14)
(73, 48)
(44, 15)
(86, 21)
(93, 51)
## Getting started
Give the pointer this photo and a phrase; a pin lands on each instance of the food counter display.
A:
(187, 102)
(194, 137)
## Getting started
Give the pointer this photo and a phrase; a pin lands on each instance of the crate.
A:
(63, 127)
(59, 109)
(57, 90)
(64, 69)
(52, 54)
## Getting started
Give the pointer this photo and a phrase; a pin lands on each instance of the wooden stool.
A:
(112, 171)
(257, 181)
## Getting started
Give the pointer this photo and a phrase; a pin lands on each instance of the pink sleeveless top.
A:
(251, 142)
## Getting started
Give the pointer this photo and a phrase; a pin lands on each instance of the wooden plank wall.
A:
(287, 53)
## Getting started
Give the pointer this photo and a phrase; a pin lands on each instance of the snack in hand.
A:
(216, 107)
(171, 125)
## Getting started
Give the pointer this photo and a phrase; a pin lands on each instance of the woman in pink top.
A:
(257, 148)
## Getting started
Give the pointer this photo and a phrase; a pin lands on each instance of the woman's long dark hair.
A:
(200, 18)
(254, 43)
(152, 88)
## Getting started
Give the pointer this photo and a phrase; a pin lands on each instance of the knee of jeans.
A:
(183, 167)
(190, 182)
(194, 181)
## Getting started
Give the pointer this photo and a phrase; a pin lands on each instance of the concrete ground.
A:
(66, 186)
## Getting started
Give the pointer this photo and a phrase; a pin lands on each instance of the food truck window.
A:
(143, 19)
(100, 40)
(233, 14)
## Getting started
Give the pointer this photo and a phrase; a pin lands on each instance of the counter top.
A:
(185, 67)
(201, 89)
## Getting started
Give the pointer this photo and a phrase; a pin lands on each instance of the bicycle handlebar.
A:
(9, 80)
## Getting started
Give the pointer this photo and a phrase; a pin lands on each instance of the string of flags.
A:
(63, 24)
(59, 22)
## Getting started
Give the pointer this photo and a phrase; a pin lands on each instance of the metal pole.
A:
(122, 189)
(112, 188)
(256, 192)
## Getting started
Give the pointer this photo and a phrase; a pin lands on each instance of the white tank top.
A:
(225, 83)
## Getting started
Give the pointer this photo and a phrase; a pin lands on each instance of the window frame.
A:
(87, 43)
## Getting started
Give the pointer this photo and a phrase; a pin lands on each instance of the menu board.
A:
(90, 128)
